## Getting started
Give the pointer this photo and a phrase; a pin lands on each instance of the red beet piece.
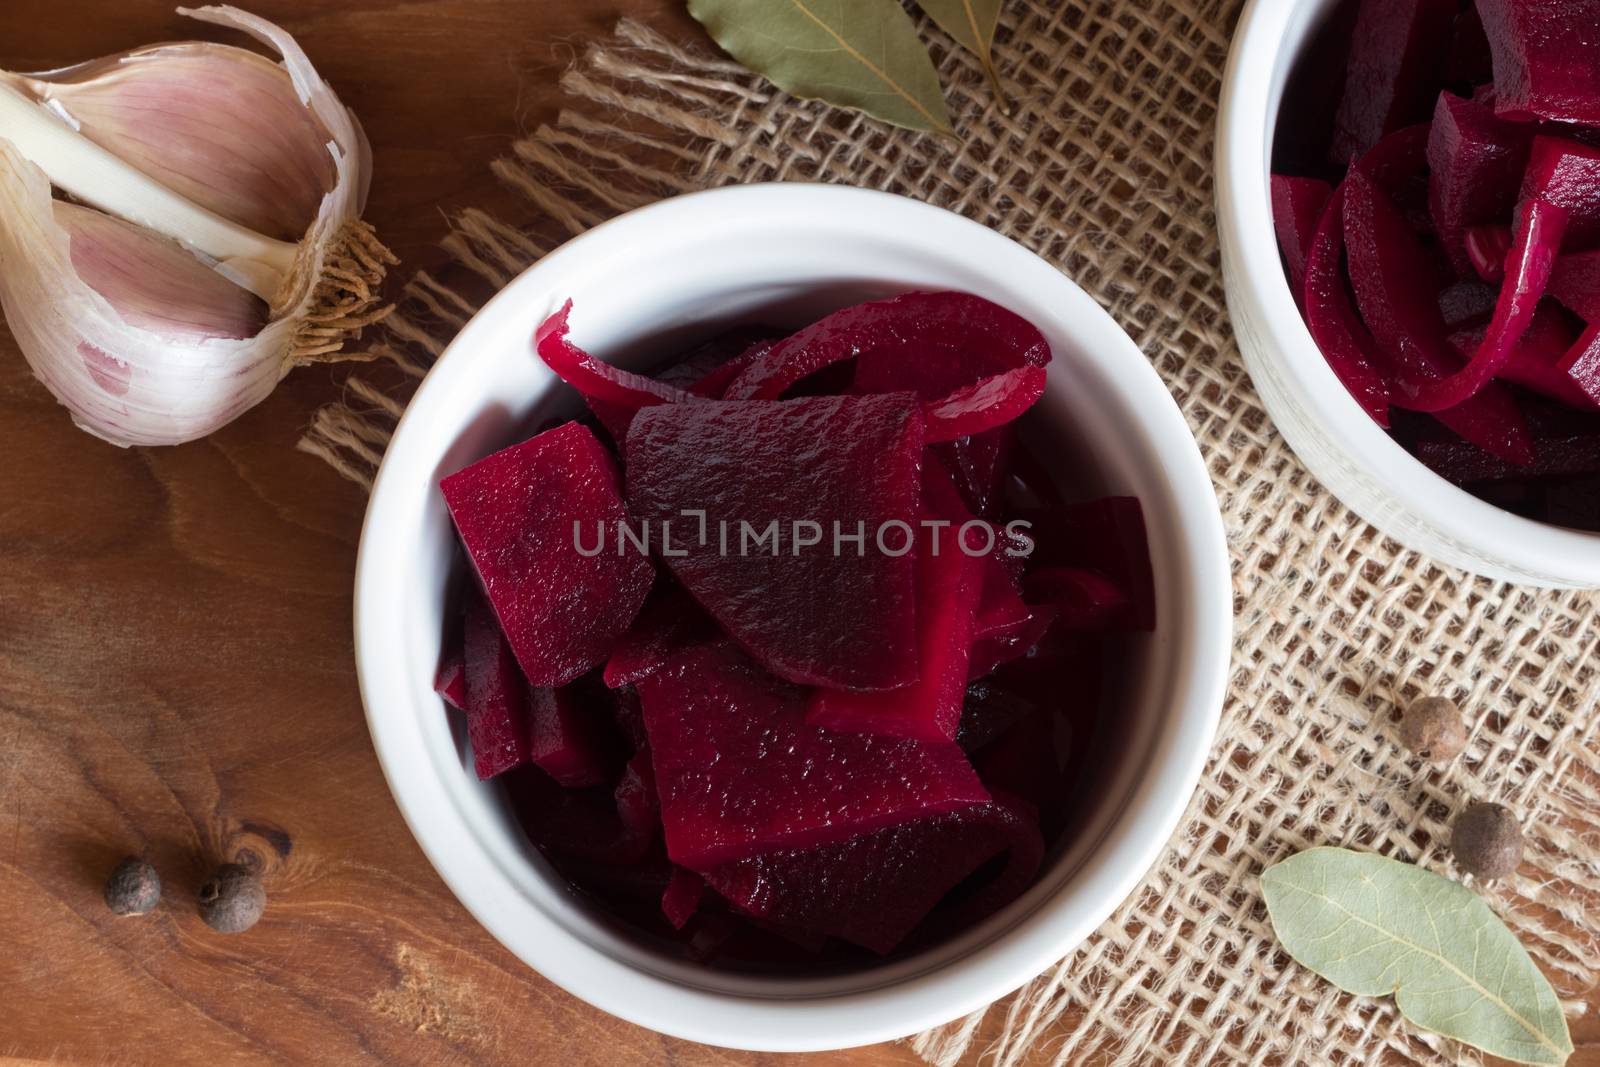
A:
(1106, 536)
(740, 772)
(585, 824)
(1345, 342)
(715, 382)
(638, 807)
(1397, 290)
(985, 405)
(847, 463)
(1546, 57)
(1528, 269)
(1083, 599)
(979, 464)
(1476, 163)
(965, 336)
(519, 512)
(629, 717)
(682, 897)
(612, 392)
(874, 890)
(1575, 281)
(1487, 248)
(949, 585)
(451, 681)
(497, 714)
(1297, 207)
(1391, 78)
(990, 653)
(1466, 304)
(1536, 362)
(1582, 364)
(1001, 609)
(669, 622)
(561, 742)
(1567, 174)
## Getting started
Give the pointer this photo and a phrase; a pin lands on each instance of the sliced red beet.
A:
(1476, 161)
(1575, 281)
(715, 382)
(1297, 207)
(1107, 536)
(612, 392)
(638, 806)
(950, 584)
(740, 772)
(1487, 248)
(1582, 363)
(1083, 599)
(564, 745)
(451, 681)
(682, 897)
(520, 513)
(1566, 174)
(1001, 609)
(1528, 271)
(979, 464)
(497, 715)
(669, 622)
(766, 468)
(585, 824)
(966, 337)
(1345, 342)
(990, 653)
(1546, 57)
(875, 889)
(1391, 77)
(1536, 361)
(1467, 304)
(1397, 290)
(985, 405)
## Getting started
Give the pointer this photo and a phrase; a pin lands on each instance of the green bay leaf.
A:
(863, 54)
(972, 24)
(1375, 926)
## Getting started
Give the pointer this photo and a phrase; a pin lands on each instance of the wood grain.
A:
(176, 672)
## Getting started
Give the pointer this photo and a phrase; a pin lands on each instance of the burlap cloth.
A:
(1103, 167)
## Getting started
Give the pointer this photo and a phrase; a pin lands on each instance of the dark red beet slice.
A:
(561, 742)
(451, 681)
(638, 807)
(1476, 163)
(741, 773)
(1345, 342)
(517, 512)
(1536, 361)
(1582, 364)
(966, 336)
(1390, 80)
(1001, 609)
(990, 653)
(1486, 248)
(989, 712)
(1106, 535)
(1528, 269)
(629, 717)
(613, 393)
(1546, 57)
(682, 897)
(497, 716)
(669, 622)
(848, 463)
(1575, 281)
(1297, 207)
(1567, 174)
(1397, 290)
(1467, 304)
(1083, 599)
(584, 824)
(875, 889)
(979, 464)
(949, 587)
(715, 382)
(985, 405)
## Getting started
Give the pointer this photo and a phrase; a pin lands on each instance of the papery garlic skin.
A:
(126, 384)
(150, 339)
(220, 125)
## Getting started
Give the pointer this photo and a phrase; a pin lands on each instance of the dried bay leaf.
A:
(972, 24)
(1376, 926)
(863, 54)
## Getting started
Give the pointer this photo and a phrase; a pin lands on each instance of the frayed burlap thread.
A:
(1103, 166)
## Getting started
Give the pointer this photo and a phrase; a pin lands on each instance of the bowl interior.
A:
(647, 286)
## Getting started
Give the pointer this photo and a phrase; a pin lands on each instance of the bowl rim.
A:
(1247, 114)
(1133, 840)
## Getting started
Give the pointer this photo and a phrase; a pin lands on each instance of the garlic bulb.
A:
(214, 240)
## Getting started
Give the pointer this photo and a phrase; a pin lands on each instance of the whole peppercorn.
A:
(1487, 841)
(232, 899)
(134, 888)
(1431, 727)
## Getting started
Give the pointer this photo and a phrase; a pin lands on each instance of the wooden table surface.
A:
(176, 672)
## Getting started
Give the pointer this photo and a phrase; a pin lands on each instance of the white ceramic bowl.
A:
(644, 285)
(1351, 455)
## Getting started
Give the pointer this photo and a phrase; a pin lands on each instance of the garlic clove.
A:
(121, 381)
(152, 282)
(219, 125)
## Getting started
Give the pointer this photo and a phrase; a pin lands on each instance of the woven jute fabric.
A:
(1103, 166)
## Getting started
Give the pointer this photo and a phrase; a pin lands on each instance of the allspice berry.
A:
(1487, 841)
(232, 899)
(1432, 728)
(134, 888)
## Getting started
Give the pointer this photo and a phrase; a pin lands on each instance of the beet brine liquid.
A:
(791, 654)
